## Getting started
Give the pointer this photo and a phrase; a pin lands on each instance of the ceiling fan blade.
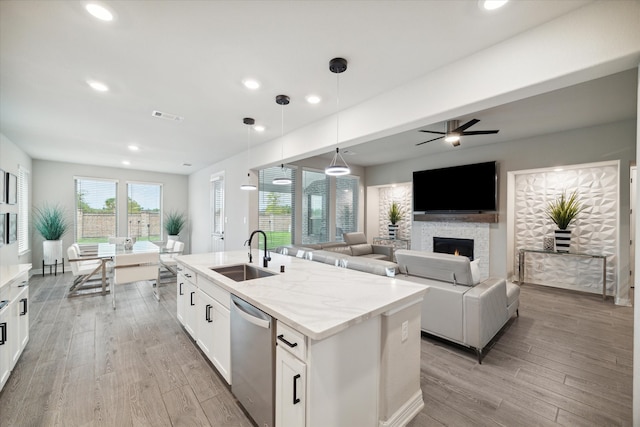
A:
(480, 132)
(466, 125)
(420, 143)
(432, 131)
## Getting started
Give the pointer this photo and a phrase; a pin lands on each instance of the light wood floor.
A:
(567, 360)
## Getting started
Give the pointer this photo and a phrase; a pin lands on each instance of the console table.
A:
(396, 243)
(523, 252)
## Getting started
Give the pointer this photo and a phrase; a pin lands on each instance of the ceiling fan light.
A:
(248, 187)
(452, 138)
(282, 180)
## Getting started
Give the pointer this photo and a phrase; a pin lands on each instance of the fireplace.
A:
(448, 245)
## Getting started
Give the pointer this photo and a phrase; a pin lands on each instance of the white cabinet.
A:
(20, 324)
(186, 299)
(5, 350)
(291, 383)
(14, 323)
(214, 333)
(203, 310)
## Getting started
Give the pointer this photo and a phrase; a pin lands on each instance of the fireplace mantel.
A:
(458, 217)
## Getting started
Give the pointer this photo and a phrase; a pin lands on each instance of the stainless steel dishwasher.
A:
(253, 361)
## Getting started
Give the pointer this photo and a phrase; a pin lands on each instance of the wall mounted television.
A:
(464, 189)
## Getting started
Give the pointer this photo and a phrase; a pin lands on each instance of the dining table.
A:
(107, 252)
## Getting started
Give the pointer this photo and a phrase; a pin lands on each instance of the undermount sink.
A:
(242, 272)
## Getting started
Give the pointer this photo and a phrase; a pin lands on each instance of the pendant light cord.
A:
(337, 109)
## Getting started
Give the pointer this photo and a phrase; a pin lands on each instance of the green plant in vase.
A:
(52, 223)
(562, 211)
(174, 222)
(394, 215)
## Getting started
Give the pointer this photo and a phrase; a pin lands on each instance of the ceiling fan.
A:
(455, 131)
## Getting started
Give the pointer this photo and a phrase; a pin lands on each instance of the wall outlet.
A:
(405, 330)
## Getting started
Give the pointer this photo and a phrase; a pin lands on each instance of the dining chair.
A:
(168, 260)
(82, 268)
(170, 244)
(135, 267)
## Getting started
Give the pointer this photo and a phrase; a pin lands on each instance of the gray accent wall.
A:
(614, 141)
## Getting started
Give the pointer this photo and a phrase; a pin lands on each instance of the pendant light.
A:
(338, 165)
(283, 179)
(249, 122)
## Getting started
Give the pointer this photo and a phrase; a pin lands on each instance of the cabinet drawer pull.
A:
(180, 288)
(295, 389)
(24, 306)
(3, 334)
(207, 313)
(192, 294)
(290, 344)
(187, 275)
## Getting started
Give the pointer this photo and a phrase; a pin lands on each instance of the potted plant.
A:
(562, 211)
(174, 222)
(52, 223)
(395, 215)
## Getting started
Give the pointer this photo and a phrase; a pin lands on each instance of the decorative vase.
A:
(393, 231)
(173, 237)
(563, 240)
(52, 251)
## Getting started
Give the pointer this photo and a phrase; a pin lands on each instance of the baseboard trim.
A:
(406, 412)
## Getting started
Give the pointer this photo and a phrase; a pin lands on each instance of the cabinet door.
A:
(221, 356)
(291, 383)
(20, 312)
(181, 298)
(206, 329)
(191, 312)
(5, 350)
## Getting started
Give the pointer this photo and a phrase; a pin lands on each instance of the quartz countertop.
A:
(318, 300)
(10, 272)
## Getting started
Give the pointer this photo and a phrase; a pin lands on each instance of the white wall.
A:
(53, 182)
(10, 158)
(615, 141)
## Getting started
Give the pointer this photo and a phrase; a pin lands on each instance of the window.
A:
(315, 207)
(347, 188)
(96, 208)
(144, 215)
(276, 206)
(23, 210)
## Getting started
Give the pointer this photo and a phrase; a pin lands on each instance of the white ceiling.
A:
(189, 58)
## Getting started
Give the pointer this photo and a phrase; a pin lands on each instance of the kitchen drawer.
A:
(214, 291)
(188, 273)
(291, 340)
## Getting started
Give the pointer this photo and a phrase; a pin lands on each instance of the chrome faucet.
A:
(266, 258)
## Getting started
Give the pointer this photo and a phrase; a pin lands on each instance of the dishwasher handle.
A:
(250, 318)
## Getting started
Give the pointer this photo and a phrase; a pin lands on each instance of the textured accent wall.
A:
(594, 231)
(402, 195)
(479, 232)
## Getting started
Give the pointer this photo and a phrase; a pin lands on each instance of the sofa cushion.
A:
(372, 266)
(432, 265)
(354, 238)
(339, 249)
(382, 257)
(361, 249)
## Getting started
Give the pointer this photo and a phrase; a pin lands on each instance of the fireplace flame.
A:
(456, 253)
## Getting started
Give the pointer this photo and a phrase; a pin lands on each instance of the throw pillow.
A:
(475, 271)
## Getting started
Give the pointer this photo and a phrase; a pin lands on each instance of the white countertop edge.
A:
(10, 272)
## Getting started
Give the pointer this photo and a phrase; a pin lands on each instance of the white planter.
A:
(563, 240)
(175, 237)
(52, 251)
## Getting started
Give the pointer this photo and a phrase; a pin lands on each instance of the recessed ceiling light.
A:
(313, 99)
(100, 12)
(134, 148)
(259, 128)
(251, 84)
(126, 162)
(98, 86)
(492, 4)
(558, 170)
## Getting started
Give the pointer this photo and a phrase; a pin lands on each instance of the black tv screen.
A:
(467, 188)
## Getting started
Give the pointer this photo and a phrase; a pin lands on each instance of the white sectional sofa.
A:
(458, 307)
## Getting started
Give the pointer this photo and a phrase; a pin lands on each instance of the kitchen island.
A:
(348, 348)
